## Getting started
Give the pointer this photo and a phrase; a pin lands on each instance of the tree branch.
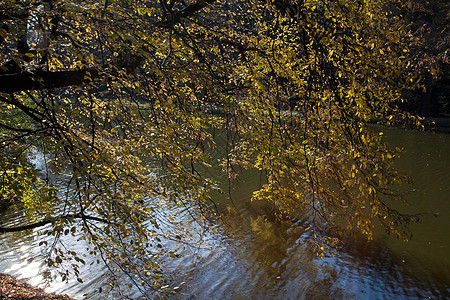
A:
(184, 13)
(24, 81)
(31, 112)
(5, 126)
(48, 221)
(40, 79)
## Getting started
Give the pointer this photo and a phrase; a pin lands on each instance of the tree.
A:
(118, 96)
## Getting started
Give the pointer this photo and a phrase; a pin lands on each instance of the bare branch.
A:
(48, 221)
(24, 81)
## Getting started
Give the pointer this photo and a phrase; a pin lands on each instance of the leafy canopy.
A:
(120, 98)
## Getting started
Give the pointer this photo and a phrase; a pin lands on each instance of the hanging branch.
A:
(48, 221)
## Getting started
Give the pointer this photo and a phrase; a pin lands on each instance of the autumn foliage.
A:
(121, 99)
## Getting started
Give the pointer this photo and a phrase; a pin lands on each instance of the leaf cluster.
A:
(120, 98)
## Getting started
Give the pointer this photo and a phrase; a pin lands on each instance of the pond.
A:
(254, 256)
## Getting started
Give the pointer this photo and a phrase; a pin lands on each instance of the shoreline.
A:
(13, 288)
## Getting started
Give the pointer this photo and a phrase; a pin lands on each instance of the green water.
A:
(255, 256)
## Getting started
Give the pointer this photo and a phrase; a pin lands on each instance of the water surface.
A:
(254, 256)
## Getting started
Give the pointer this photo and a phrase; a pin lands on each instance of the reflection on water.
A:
(254, 256)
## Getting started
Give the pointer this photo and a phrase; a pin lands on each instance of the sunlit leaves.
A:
(292, 85)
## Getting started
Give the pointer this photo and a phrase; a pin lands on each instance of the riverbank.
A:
(12, 288)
